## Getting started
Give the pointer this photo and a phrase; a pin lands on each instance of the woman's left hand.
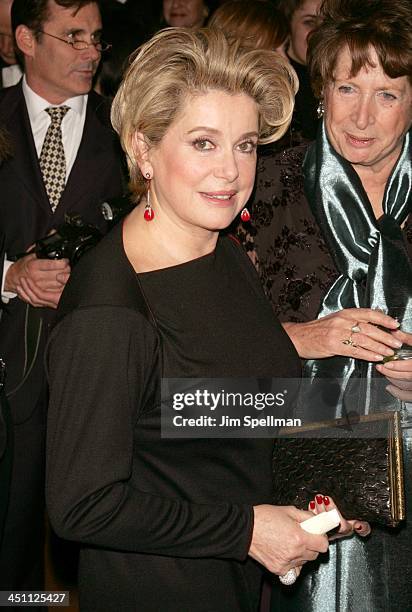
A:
(360, 333)
(323, 503)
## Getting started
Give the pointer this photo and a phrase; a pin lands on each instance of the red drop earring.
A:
(148, 211)
(245, 215)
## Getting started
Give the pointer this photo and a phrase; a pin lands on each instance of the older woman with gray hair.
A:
(332, 240)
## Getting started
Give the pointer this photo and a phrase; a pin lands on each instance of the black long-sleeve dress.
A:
(165, 524)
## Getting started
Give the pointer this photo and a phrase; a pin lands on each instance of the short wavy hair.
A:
(384, 25)
(178, 62)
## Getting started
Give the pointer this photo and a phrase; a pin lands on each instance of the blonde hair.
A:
(179, 62)
(257, 23)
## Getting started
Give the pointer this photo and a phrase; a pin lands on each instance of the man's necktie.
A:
(52, 159)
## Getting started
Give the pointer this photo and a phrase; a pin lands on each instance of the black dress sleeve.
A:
(100, 363)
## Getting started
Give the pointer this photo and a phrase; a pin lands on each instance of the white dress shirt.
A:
(72, 132)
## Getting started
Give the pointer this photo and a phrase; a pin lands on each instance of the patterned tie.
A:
(52, 160)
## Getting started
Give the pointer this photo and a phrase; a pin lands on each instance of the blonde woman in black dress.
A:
(173, 524)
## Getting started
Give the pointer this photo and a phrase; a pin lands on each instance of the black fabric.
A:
(6, 451)
(22, 547)
(6, 437)
(165, 524)
(304, 118)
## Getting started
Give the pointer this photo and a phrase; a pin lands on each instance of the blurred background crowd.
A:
(282, 25)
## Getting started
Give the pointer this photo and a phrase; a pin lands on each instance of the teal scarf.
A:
(369, 253)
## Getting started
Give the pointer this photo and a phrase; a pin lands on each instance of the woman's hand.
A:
(352, 332)
(279, 543)
(399, 371)
(399, 374)
(323, 503)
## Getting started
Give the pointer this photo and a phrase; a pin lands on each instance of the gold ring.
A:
(349, 342)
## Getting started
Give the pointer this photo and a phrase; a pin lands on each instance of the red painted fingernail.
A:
(319, 499)
(326, 500)
(312, 505)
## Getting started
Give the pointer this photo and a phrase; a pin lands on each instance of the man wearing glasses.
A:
(65, 160)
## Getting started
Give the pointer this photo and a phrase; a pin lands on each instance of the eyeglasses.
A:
(81, 45)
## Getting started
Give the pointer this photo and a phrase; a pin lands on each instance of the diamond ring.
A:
(289, 577)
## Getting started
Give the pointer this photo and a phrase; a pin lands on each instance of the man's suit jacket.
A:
(26, 216)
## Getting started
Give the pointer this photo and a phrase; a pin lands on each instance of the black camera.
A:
(74, 237)
(116, 208)
(71, 240)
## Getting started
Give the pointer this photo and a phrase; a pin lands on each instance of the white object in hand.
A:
(321, 523)
(318, 524)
